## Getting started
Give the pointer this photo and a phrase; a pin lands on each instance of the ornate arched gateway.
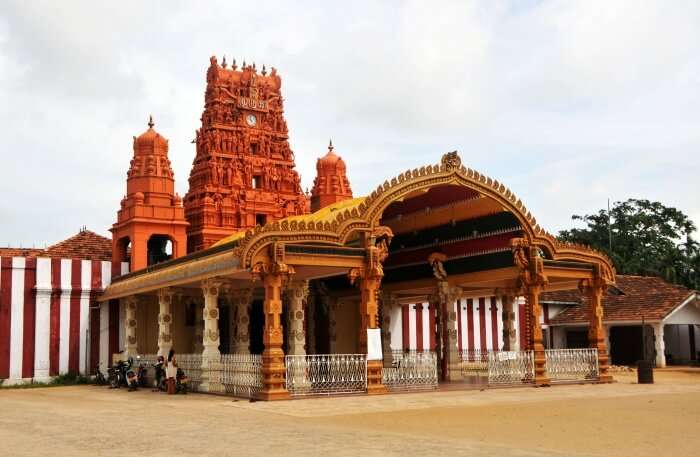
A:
(438, 233)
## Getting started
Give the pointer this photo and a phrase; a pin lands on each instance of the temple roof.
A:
(86, 245)
(630, 299)
(326, 214)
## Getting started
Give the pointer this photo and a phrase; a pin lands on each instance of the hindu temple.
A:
(439, 276)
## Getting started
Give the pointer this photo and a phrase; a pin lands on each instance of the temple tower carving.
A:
(331, 184)
(243, 172)
(151, 216)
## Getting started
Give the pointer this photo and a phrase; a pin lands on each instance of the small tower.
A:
(331, 184)
(151, 216)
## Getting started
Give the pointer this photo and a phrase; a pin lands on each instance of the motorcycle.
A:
(181, 382)
(141, 373)
(159, 383)
(131, 376)
(100, 379)
(116, 374)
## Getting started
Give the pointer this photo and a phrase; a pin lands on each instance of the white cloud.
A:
(568, 103)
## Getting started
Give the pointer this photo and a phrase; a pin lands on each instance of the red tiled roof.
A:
(85, 245)
(633, 297)
(21, 252)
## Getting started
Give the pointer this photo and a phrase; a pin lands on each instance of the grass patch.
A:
(65, 379)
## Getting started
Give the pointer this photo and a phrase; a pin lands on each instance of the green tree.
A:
(643, 238)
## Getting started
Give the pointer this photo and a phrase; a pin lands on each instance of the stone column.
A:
(165, 320)
(659, 345)
(534, 310)
(369, 317)
(596, 331)
(211, 357)
(297, 293)
(451, 339)
(274, 371)
(447, 342)
(311, 325)
(241, 331)
(510, 340)
(389, 301)
(130, 343)
(332, 305)
(198, 325)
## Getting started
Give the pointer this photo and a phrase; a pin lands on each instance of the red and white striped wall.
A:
(479, 324)
(46, 327)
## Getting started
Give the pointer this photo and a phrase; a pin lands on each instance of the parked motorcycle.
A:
(159, 383)
(116, 374)
(100, 378)
(141, 373)
(181, 382)
(131, 375)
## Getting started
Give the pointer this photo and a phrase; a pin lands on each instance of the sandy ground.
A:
(622, 419)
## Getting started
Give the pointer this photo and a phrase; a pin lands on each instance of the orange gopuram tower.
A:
(243, 173)
(331, 184)
(151, 224)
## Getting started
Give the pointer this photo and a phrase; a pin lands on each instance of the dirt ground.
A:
(621, 419)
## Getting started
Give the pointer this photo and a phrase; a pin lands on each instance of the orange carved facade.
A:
(151, 214)
(331, 184)
(243, 173)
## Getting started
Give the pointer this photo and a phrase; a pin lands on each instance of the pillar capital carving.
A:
(297, 290)
(240, 295)
(212, 286)
(166, 295)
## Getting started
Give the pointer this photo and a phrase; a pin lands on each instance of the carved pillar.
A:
(211, 357)
(241, 331)
(510, 340)
(311, 325)
(595, 289)
(451, 338)
(534, 310)
(130, 343)
(435, 302)
(274, 371)
(659, 345)
(389, 301)
(532, 281)
(297, 293)
(198, 325)
(369, 288)
(331, 304)
(165, 320)
(447, 342)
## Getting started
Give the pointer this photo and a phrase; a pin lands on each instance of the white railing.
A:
(411, 371)
(511, 367)
(572, 364)
(241, 374)
(191, 364)
(326, 374)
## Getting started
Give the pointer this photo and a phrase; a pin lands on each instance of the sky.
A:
(568, 103)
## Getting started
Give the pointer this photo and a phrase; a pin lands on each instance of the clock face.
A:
(251, 119)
